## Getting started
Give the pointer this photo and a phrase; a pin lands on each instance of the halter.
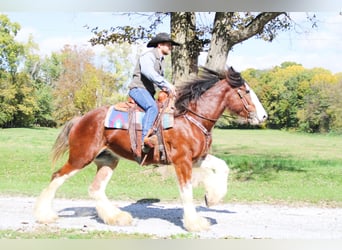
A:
(250, 114)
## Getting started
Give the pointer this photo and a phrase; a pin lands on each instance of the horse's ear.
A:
(234, 78)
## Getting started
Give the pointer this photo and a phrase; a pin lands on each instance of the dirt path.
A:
(165, 219)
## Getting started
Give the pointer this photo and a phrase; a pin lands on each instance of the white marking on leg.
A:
(97, 189)
(192, 221)
(215, 177)
(43, 210)
(109, 213)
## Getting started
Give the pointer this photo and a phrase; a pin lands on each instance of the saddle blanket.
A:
(120, 119)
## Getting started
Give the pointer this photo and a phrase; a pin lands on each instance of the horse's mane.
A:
(192, 90)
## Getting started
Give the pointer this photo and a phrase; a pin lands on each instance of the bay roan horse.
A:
(199, 104)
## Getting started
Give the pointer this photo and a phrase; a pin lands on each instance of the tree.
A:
(74, 62)
(321, 110)
(18, 102)
(79, 86)
(117, 66)
(7, 95)
(231, 28)
(228, 29)
(183, 30)
(10, 50)
(308, 100)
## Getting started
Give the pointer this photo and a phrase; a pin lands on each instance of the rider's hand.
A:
(172, 90)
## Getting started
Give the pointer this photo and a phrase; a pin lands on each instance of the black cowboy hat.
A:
(161, 38)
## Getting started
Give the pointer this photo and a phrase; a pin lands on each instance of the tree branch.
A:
(256, 26)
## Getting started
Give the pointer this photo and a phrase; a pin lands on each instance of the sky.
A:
(311, 47)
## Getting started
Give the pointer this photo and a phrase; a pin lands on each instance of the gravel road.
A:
(162, 219)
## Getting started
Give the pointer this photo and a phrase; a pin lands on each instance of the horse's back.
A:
(89, 127)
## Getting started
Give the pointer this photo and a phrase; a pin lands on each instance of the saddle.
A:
(128, 115)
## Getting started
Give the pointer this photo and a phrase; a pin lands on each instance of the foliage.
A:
(24, 99)
(127, 33)
(7, 95)
(298, 98)
(118, 62)
(10, 50)
(79, 86)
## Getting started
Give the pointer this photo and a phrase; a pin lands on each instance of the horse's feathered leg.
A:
(106, 162)
(213, 172)
(83, 141)
(43, 210)
(192, 221)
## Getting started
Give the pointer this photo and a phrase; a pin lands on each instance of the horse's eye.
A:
(247, 91)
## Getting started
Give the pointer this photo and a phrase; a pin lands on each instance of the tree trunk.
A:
(226, 33)
(184, 58)
(220, 42)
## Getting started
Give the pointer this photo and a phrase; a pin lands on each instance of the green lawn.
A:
(266, 166)
(273, 166)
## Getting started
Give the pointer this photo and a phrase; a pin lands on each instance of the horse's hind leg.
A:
(43, 210)
(106, 163)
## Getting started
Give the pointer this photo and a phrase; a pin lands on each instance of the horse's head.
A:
(244, 102)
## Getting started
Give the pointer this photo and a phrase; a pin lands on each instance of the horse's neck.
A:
(211, 105)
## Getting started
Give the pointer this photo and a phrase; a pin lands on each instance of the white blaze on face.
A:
(261, 112)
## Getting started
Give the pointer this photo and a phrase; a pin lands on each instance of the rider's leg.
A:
(145, 100)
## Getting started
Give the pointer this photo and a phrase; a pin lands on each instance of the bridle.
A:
(242, 96)
(243, 99)
(204, 130)
(201, 116)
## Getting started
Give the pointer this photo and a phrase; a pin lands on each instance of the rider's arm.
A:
(147, 62)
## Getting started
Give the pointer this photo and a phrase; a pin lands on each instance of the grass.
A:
(266, 166)
(61, 234)
(277, 166)
(80, 234)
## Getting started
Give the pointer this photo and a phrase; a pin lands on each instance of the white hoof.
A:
(45, 217)
(196, 224)
(112, 215)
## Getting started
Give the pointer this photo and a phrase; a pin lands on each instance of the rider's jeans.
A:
(145, 100)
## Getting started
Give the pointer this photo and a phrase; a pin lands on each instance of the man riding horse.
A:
(148, 73)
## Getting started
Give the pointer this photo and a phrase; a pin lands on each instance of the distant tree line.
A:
(49, 91)
(296, 98)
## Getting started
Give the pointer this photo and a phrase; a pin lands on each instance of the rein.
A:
(200, 116)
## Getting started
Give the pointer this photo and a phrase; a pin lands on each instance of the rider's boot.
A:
(150, 141)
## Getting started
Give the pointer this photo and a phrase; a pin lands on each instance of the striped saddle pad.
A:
(121, 119)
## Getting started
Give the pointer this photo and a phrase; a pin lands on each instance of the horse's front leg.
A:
(213, 172)
(192, 220)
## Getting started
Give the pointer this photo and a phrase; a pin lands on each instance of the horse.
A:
(198, 105)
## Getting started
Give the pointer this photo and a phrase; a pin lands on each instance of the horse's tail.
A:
(62, 142)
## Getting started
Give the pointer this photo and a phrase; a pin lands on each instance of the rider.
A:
(148, 73)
